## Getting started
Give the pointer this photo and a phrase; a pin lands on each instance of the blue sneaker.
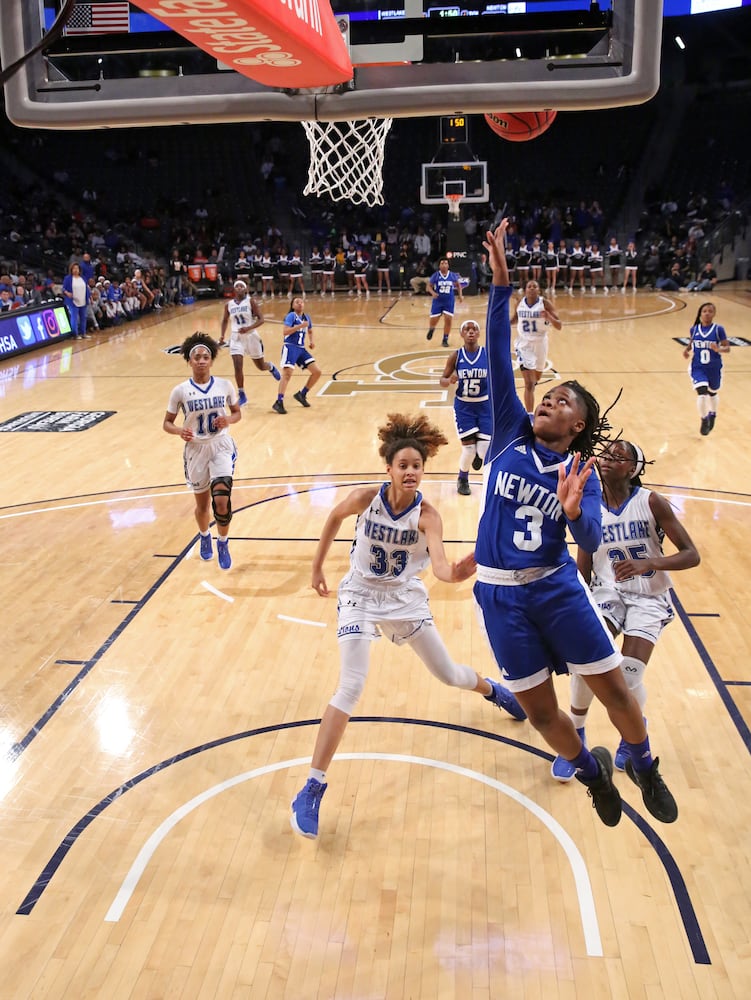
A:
(305, 806)
(276, 373)
(562, 769)
(222, 552)
(503, 698)
(206, 550)
(622, 754)
(243, 399)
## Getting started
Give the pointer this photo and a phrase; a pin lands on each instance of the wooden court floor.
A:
(158, 714)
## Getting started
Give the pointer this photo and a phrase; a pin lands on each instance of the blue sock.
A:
(586, 764)
(641, 755)
(463, 475)
(304, 391)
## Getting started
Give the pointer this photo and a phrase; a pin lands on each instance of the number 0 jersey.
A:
(202, 404)
(388, 549)
(630, 532)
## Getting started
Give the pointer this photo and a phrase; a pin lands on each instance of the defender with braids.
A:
(209, 453)
(397, 534)
(535, 607)
(629, 577)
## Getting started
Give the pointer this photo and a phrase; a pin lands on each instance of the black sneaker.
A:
(445, 342)
(477, 463)
(605, 796)
(302, 400)
(655, 793)
(463, 487)
(705, 428)
(710, 421)
(278, 407)
(430, 335)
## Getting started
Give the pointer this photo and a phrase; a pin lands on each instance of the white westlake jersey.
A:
(630, 532)
(202, 404)
(388, 549)
(240, 314)
(530, 325)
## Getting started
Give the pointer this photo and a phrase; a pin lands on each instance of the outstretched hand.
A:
(494, 243)
(571, 485)
(464, 568)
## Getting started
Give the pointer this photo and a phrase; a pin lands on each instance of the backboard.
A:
(468, 179)
(411, 58)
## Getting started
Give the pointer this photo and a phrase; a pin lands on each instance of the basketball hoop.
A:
(346, 159)
(454, 203)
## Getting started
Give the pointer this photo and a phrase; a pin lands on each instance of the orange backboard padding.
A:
(279, 43)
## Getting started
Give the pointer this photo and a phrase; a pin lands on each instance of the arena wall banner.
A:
(279, 43)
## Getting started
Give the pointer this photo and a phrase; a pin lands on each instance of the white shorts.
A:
(205, 461)
(398, 614)
(532, 354)
(249, 344)
(641, 615)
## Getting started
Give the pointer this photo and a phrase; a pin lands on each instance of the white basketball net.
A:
(346, 159)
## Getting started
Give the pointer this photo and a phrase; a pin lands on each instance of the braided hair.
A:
(416, 432)
(199, 339)
(596, 431)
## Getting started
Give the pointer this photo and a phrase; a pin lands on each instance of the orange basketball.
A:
(519, 126)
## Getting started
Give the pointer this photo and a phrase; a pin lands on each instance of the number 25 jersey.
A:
(630, 532)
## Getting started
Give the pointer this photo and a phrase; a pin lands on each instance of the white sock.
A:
(317, 775)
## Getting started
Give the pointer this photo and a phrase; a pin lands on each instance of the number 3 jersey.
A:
(630, 532)
(388, 549)
(202, 404)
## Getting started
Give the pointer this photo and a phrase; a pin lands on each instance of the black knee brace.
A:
(221, 487)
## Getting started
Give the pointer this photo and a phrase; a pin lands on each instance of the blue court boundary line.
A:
(680, 891)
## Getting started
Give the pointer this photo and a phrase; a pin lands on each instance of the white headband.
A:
(195, 348)
(240, 284)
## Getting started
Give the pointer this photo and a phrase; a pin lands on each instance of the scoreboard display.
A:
(454, 129)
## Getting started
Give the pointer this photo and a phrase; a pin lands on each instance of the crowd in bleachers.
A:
(125, 200)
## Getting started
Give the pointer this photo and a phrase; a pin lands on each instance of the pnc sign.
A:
(279, 43)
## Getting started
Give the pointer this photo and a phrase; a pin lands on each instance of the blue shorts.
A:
(293, 355)
(710, 376)
(442, 304)
(473, 418)
(548, 625)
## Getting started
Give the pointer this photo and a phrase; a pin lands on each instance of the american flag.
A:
(98, 19)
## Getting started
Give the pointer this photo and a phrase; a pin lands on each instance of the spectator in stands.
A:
(674, 281)
(484, 273)
(705, 280)
(6, 300)
(652, 266)
(421, 243)
(420, 280)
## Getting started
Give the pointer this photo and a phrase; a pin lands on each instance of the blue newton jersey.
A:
(529, 322)
(444, 284)
(298, 337)
(706, 363)
(630, 532)
(522, 524)
(202, 404)
(388, 549)
(240, 313)
(472, 373)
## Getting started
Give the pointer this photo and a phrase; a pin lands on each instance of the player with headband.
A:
(629, 577)
(209, 453)
(245, 315)
(467, 369)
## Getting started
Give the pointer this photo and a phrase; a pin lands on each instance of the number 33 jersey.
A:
(388, 549)
(630, 532)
